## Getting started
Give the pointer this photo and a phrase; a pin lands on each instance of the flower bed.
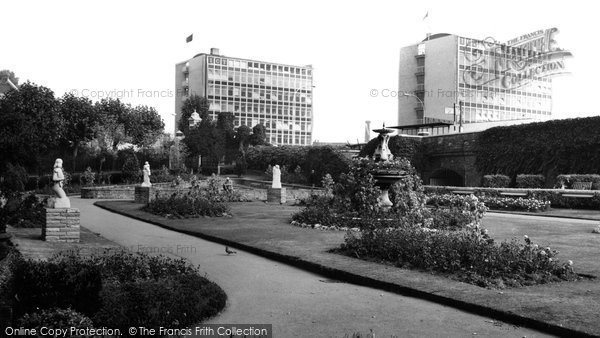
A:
(507, 203)
(467, 255)
(117, 290)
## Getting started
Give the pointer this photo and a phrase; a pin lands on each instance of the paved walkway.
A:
(296, 302)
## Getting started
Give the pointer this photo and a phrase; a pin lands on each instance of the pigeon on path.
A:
(229, 251)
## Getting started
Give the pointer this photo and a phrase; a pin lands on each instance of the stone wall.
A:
(444, 154)
(61, 225)
(115, 192)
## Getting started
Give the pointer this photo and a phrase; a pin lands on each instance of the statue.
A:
(276, 177)
(227, 185)
(61, 200)
(382, 152)
(147, 174)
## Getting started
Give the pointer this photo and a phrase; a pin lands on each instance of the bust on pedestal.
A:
(276, 194)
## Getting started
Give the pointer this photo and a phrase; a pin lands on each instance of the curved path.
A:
(296, 302)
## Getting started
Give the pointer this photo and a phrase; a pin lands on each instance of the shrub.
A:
(89, 177)
(469, 255)
(185, 206)
(531, 181)
(456, 211)
(153, 291)
(507, 203)
(318, 210)
(496, 181)
(566, 181)
(23, 211)
(61, 283)
(131, 169)
(55, 319)
(12, 180)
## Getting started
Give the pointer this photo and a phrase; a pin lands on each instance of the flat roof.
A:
(423, 125)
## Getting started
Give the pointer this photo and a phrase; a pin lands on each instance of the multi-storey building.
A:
(276, 95)
(478, 84)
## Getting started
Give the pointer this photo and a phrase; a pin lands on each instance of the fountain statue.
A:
(384, 176)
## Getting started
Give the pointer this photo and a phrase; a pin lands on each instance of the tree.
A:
(199, 104)
(112, 130)
(31, 124)
(81, 121)
(207, 141)
(143, 125)
(259, 135)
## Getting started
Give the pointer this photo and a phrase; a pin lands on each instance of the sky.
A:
(128, 49)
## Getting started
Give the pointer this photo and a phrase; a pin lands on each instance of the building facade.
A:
(477, 84)
(276, 95)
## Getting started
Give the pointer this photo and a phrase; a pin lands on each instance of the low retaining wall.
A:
(115, 192)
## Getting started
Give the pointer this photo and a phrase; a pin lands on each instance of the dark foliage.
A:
(531, 181)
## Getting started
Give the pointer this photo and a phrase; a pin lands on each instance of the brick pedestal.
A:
(276, 195)
(143, 195)
(61, 225)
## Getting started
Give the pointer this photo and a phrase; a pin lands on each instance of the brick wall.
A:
(61, 225)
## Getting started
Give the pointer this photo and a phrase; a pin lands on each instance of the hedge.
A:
(496, 181)
(547, 148)
(531, 181)
(315, 161)
(568, 180)
(555, 196)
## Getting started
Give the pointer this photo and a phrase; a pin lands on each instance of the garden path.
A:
(298, 303)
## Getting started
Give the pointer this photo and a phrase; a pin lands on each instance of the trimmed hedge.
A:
(315, 161)
(554, 196)
(548, 148)
(568, 180)
(496, 181)
(531, 181)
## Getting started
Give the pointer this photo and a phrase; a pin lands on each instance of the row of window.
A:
(241, 64)
(474, 115)
(259, 79)
(260, 94)
(298, 112)
(505, 100)
(532, 89)
(533, 110)
(498, 67)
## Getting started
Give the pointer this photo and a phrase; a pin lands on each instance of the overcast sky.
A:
(129, 49)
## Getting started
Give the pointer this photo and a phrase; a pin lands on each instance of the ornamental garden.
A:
(377, 200)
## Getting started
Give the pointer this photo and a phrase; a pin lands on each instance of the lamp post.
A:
(420, 101)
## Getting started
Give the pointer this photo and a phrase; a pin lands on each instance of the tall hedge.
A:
(548, 148)
(315, 161)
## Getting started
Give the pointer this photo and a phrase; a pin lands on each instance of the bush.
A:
(62, 283)
(23, 212)
(507, 203)
(55, 319)
(131, 170)
(12, 180)
(469, 255)
(456, 211)
(186, 206)
(153, 291)
(88, 177)
(530, 181)
(496, 181)
(317, 210)
(566, 181)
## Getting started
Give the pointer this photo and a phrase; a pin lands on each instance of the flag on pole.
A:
(426, 16)
(189, 38)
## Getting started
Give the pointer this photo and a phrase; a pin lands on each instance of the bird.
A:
(229, 251)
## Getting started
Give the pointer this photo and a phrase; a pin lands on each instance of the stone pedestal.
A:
(276, 195)
(61, 225)
(143, 195)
